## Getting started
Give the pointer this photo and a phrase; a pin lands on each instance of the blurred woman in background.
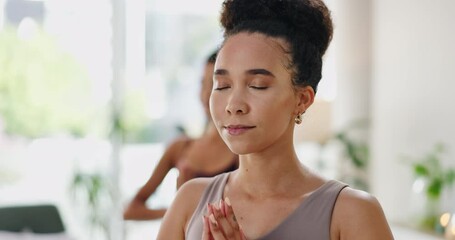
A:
(205, 156)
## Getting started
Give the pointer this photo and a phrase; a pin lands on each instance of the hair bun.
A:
(299, 16)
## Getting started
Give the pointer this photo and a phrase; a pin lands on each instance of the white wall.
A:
(413, 92)
(352, 47)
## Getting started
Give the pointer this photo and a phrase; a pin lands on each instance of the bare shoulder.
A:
(359, 215)
(179, 142)
(350, 198)
(175, 148)
(193, 188)
(188, 196)
(185, 203)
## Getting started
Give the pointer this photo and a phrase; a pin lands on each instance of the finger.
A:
(207, 220)
(242, 235)
(215, 228)
(232, 221)
(230, 215)
(217, 211)
(209, 209)
(206, 229)
(226, 228)
(223, 207)
(223, 224)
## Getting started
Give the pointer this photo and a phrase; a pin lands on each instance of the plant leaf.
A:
(421, 170)
(434, 189)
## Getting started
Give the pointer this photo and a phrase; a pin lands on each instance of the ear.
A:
(305, 97)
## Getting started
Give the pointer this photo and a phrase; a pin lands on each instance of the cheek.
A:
(276, 118)
(277, 112)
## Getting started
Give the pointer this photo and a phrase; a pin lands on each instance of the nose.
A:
(236, 103)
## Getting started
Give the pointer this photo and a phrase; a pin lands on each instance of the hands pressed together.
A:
(220, 223)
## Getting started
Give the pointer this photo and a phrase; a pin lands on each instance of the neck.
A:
(266, 175)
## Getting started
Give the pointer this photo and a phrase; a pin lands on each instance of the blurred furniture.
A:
(317, 123)
(35, 219)
(33, 236)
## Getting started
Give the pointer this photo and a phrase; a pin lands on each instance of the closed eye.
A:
(258, 88)
(221, 88)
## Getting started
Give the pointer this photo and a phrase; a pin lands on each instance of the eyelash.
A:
(253, 87)
(220, 88)
(258, 88)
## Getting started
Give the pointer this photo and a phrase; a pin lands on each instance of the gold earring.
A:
(298, 119)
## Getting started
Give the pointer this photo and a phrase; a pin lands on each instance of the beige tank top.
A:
(310, 221)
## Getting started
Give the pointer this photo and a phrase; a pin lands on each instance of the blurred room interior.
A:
(92, 91)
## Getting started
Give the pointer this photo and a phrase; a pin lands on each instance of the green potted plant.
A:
(355, 154)
(436, 178)
(92, 192)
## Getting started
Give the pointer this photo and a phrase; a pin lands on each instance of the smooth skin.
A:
(254, 105)
(197, 157)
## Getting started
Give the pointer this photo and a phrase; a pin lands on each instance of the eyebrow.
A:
(256, 71)
(220, 72)
(260, 71)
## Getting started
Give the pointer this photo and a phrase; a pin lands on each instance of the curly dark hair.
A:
(306, 25)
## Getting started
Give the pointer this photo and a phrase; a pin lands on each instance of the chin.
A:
(240, 148)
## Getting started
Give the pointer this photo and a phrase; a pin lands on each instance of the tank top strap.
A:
(212, 194)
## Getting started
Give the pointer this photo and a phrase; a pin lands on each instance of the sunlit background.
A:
(91, 92)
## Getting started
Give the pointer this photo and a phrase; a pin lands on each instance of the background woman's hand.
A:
(221, 223)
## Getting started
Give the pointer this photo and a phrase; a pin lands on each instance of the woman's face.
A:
(253, 102)
(206, 87)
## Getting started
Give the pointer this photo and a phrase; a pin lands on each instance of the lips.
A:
(236, 130)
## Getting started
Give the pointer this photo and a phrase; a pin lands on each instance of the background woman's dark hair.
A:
(212, 57)
(305, 24)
